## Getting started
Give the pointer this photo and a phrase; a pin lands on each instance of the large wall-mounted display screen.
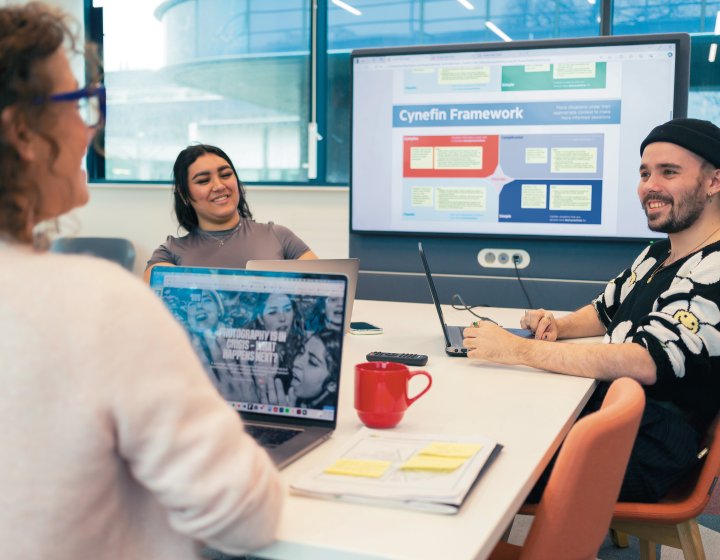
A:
(534, 138)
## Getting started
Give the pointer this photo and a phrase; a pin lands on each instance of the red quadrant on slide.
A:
(489, 145)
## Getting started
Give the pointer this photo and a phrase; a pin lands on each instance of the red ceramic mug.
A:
(381, 396)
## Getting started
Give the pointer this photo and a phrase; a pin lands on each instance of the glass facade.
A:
(240, 73)
(230, 73)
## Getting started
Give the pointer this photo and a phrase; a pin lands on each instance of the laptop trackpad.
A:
(456, 337)
(521, 332)
(270, 437)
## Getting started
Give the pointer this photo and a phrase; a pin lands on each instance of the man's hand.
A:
(490, 342)
(487, 341)
(541, 323)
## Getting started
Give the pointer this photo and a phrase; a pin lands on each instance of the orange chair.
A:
(574, 514)
(672, 520)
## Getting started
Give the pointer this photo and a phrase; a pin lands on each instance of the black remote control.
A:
(407, 359)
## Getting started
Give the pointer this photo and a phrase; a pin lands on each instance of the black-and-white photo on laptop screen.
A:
(347, 267)
(266, 344)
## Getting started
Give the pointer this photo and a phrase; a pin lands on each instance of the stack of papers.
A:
(426, 472)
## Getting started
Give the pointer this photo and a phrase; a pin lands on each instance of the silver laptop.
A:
(348, 267)
(453, 334)
(266, 346)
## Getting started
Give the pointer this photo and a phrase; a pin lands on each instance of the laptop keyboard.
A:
(270, 437)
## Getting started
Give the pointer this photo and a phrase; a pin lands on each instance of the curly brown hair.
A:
(29, 35)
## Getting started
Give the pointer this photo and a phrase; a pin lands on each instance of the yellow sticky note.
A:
(431, 463)
(446, 449)
(358, 467)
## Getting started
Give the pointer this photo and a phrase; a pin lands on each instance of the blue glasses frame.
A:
(89, 93)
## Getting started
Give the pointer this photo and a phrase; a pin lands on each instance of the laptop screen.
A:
(433, 292)
(346, 267)
(264, 337)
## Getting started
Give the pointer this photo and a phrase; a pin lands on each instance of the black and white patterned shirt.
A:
(675, 314)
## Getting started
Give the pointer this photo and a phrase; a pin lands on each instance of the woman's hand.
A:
(541, 323)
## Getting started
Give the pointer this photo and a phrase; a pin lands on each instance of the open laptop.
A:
(453, 335)
(348, 267)
(262, 339)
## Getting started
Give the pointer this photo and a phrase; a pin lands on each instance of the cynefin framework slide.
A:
(509, 142)
(525, 175)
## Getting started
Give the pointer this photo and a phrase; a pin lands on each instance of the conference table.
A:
(526, 410)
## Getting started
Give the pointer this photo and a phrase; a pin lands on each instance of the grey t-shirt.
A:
(231, 248)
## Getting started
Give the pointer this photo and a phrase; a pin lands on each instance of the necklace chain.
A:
(225, 235)
(691, 251)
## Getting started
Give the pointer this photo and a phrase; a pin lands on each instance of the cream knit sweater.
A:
(113, 442)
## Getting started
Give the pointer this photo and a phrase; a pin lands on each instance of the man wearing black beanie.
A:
(660, 317)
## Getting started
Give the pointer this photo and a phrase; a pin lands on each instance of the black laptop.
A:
(265, 344)
(453, 335)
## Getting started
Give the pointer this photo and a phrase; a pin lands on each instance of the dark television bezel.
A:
(681, 89)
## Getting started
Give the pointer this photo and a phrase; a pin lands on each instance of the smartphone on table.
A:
(361, 327)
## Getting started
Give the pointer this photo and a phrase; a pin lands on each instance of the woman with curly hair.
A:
(116, 444)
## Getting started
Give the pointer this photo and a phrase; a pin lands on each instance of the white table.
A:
(527, 411)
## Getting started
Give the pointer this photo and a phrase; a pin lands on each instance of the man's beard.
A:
(683, 214)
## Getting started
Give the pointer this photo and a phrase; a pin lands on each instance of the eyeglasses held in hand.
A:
(90, 103)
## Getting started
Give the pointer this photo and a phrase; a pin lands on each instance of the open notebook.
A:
(426, 472)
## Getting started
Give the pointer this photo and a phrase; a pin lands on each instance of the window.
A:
(227, 72)
(702, 20)
(430, 22)
(240, 73)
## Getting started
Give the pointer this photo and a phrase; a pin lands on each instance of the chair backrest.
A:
(115, 249)
(574, 514)
(689, 497)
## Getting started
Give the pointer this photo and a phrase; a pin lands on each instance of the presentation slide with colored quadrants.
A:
(507, 159)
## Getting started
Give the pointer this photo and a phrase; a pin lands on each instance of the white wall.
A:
(143, 214)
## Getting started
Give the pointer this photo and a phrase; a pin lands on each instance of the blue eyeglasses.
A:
(91, 103)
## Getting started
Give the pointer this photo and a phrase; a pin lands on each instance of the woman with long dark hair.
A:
(210, 204)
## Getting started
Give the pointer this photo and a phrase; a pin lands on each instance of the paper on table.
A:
(429, 490)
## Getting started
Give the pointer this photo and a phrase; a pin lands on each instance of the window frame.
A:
(317, 98)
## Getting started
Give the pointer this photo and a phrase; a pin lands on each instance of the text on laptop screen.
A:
(270, 341)
(531, 138)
